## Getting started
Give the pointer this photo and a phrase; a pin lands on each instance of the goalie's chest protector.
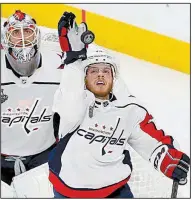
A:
(26, 109)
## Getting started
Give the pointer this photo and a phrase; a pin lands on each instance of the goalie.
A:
(27, 90)
(90, 161)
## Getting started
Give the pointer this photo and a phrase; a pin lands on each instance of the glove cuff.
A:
(72, 56)
(158, 155)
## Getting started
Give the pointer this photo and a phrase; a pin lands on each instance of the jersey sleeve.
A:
(145, 137)
(71, 100)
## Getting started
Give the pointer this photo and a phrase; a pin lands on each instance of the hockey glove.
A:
(73, 39)
(171, 162)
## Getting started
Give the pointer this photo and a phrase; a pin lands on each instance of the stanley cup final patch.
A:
(4, 97)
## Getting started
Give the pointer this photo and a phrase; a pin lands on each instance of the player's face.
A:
(99, 80)
(22, 37)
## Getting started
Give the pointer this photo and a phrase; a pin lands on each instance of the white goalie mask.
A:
(101, 56)
(21, 42)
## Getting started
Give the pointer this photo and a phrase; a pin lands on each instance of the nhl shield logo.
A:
(4, 97)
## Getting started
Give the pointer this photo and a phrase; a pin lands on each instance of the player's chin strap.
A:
(18, 165)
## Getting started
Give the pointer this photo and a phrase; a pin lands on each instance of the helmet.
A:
(21, 42)
(101, 56)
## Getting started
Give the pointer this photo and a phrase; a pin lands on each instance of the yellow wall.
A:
(116, 35)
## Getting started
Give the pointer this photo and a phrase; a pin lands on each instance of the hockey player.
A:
(28, 83)
(90, 160)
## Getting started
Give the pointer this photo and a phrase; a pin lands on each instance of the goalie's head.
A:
(100, 70)
(21, 42)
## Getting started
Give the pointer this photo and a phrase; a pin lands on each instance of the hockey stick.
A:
(174, 189)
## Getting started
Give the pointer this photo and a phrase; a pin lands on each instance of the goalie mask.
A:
(21, 41)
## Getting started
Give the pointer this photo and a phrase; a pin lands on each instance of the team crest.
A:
(4, 97)
(31, 118)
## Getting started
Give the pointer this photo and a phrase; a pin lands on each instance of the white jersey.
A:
(91, 160)
(26, 107)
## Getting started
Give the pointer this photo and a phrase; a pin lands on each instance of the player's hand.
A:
(172, 163)
(73, 38)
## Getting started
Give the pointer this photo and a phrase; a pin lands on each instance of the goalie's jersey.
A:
(26, 106)
(91, 160)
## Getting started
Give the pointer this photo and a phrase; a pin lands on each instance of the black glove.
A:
(172, 163)
(73, 39)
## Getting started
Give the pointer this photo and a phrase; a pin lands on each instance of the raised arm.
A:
(71, 99)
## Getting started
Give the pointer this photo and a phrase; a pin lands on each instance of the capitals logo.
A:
(28, 119)
(108, 139)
